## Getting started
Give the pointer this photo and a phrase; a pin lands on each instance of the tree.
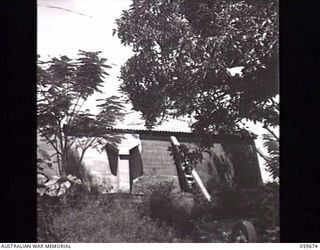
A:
(63, 87)
(184, 53)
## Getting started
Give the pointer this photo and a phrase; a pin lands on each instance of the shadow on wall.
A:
(245, 163)
(238, 166)
(224, 169)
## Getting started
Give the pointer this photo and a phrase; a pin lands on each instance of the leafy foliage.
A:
(95, 218)
(187, 156)
(63, 87)
(91, 217)
(159, 200)
(185, 159)
(165, 209)
(183, 53)
(52, 185)
(260, 205)
(272, 160)
(43, 160)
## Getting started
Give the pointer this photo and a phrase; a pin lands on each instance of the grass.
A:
(82, 217)
(105, 222)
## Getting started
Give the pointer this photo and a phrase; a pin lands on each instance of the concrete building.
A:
(142, 158)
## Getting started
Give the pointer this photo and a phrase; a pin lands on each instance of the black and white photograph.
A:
(158, 121)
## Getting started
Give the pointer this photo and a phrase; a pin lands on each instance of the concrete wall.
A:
(98, 166)
(156, 158)
(97, 169)
(229, 162)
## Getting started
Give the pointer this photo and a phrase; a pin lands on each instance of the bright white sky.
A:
(65, 26)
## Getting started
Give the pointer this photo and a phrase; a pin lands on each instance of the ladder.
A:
(188, 176)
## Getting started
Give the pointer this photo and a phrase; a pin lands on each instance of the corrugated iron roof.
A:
(129, 130)
(169, 133)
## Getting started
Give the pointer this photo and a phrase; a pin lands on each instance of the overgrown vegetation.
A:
(164, 208)
(96, 218)
(260, 206)
(162, 216)
(207, 221)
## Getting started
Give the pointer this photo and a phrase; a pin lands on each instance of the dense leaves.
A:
(187, 156)
(64, 85)
(184, 53)
(272, 160)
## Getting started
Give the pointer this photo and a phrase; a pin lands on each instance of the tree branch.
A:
(84, 150)
(74, 108)
(262, 155)
(44, 95)
(271, 132)
(71, 128)
(58, 159)
(50, 141)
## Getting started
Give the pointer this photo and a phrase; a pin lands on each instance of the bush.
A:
(189, 213)
(267, 209)
(115, 223)
(171, 209)
(79, 216)
(260, 205)
(202, 208)
(99, 218)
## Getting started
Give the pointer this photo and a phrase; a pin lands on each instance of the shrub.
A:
(171, 209)
(115, 223)
(267, 209)
(98, 218)
(202, 208)
(260, 205)
(159, 201)
(163, 217)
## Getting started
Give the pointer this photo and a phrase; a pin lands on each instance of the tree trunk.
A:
(64, 163)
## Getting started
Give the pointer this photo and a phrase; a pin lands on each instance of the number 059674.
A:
(310, 245)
